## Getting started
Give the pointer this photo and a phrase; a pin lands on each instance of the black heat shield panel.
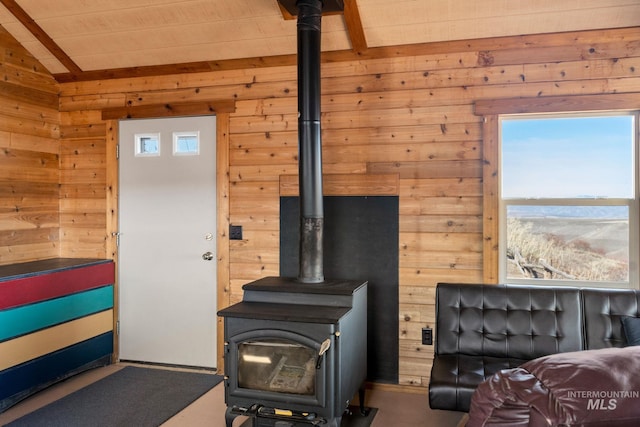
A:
(329, 6)
(360, 243)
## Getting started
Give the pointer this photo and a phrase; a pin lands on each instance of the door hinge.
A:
(118, 328)
(117, 151)
(117, 236)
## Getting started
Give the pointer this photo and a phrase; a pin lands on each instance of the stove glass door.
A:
(277, 365)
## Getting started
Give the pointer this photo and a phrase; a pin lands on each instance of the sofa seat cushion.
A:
(585, 388)
(455, 377)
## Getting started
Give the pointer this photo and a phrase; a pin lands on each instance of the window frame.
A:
(490, 110)
(630, 203)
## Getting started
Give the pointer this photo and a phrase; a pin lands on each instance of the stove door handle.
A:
(323, 349)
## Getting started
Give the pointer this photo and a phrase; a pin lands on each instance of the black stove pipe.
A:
(309, 142)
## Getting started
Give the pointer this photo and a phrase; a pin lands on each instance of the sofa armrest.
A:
(603, 309)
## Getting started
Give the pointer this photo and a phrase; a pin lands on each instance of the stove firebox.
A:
(295, 354)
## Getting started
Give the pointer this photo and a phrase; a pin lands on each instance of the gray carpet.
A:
(132, 396)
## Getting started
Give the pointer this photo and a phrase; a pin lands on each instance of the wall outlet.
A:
(427, 336)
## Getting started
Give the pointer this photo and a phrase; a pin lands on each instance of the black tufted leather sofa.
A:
(482, 329)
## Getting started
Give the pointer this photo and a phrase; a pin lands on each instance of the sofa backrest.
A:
(514, 321)
(603, 309)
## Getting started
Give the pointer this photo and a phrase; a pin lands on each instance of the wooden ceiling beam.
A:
(285, 13)
(41, 35)
(184, 68)
(477, 45)
(354, 26)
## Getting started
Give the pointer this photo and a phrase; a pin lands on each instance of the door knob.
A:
(207, 256)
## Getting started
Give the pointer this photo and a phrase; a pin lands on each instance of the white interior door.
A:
(167, 220)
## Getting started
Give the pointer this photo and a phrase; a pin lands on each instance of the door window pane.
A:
(186, 143)
(147, 144)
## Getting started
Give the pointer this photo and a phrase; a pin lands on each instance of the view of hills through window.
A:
(568, 197)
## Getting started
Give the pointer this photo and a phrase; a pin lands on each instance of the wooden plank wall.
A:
(407, 116)
(83, 178)
(29, 157)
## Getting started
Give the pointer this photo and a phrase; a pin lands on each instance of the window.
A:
(147, 144)
(186, 143)
(568, 199)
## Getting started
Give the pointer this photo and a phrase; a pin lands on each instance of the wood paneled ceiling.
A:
(94, 39)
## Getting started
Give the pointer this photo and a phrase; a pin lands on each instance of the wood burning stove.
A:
(295, 354)
(296, 348)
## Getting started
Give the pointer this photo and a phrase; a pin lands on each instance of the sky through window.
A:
(568, 157)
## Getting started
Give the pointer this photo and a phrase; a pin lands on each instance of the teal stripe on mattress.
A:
(25, 319)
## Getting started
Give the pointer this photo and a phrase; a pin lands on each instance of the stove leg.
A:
(363, 411)
(229, 417)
